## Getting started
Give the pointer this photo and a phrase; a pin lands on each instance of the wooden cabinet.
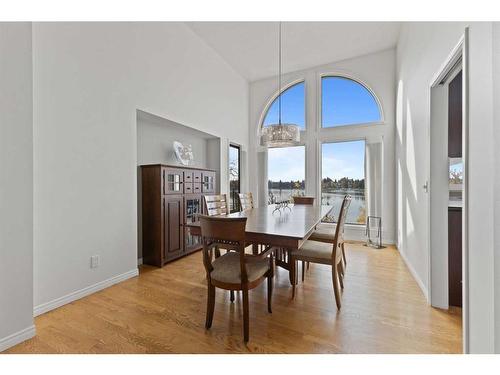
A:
(171, 197)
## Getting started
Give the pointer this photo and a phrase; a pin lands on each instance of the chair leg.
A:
(308, 264)
(292, 273)
(269, 293)
(336, 286)
(245, 315)
(231, 293)
(303, 270)
(341, 275)
(210, 305)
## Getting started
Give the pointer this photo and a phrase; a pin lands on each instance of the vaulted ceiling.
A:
(251, 48)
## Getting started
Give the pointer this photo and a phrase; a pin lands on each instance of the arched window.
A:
(292, 107)
(347, 102)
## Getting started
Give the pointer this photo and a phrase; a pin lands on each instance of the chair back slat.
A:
(216, 205)
(246, 201)
(303, 200)
(338, 238)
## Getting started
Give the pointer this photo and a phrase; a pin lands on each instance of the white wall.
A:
(422, 49)
(89, 80)
(16, 185)
(377, 71)
(496, 122)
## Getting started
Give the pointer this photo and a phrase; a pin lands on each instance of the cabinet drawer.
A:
(188, 187)
(188, 176)
(197, 187)
(197, 177)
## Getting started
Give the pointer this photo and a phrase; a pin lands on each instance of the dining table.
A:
(284, 229)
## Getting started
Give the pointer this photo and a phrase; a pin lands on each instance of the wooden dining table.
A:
(285, 229)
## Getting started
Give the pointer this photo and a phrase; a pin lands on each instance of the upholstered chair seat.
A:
(227, 268)
(320, 251)
(323, 233)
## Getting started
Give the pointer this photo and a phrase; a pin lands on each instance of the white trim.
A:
(414, 273)
(68, 298)
(465, 198)
(17, 337)
(455, 54)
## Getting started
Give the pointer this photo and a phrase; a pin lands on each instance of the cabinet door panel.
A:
(208, 185)
(172, 181)
(192, 207)
(174, 229)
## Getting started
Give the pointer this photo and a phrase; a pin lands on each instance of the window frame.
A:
(238, 147)
(275, 95)
(320, 172)
(319, 102)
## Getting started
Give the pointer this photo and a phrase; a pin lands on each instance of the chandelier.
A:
(280, 135)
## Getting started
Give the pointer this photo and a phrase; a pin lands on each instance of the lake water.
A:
(357, 209)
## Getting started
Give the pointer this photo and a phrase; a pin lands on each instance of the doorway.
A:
(448, 187)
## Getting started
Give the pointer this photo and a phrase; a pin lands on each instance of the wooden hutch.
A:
(171, 197)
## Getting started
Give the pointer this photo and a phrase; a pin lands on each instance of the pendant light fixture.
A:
(280, 135)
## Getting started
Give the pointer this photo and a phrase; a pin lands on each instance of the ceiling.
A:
(251, 48)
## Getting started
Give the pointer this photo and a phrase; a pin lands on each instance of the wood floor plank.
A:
(163, 311)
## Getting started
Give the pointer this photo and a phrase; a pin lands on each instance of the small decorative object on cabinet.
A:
(171, 197)
(184, 154)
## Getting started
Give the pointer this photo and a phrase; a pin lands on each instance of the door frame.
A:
(238, 147)
(460, 51)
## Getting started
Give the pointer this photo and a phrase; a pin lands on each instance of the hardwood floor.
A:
(163, 311)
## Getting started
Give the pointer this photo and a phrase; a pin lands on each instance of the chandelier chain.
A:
(279, 75)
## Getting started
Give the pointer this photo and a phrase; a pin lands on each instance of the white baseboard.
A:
(415, 276)
(58, 302)
(17, 338)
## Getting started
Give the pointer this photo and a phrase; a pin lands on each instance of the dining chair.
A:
(234, 270)
(216, 204)
(324, 253)
(246, 201)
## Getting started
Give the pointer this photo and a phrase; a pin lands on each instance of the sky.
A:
(343, 102)
(340, 159)
(292, 107)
